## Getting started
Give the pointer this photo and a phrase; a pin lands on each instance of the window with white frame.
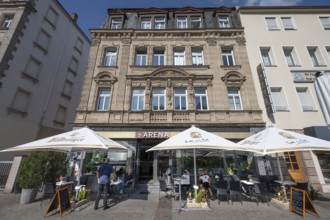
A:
(201, 99)
(145, 23)
(137, 100)
(159, 22)
(279, 100)
(141, 56)
(116, 23)
(158, 99)
(110, 57)
(103, 102)
(7, 20)
(290, 56)
(315, 55)
(267, 56)
(234, 97)
(179, 56)
(223, 21)
(305, 99)
(271, 23)
(158, 57)
(181, 22)
(197, 56)
(180, 99)
(287, 23)
(196, 22)
(325, 21)
(227, 57)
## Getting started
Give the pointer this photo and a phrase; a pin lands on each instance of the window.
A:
(227, 57)
(179, 56)
(315, 55)
(201, 99)
(291, 160)
(182, 22)
(103, 103)
(74, 64)
(287, 23)
(180, 99)
(67, 88)
(234, 99)
(159, 22)
(305, 99)
(325, 21)
(141, 57)
(79, 45)
(51, 17)
(145, 23)
(197, 56)
(33, 67)
(196, 22)
(21, 100)
(137, 100)
(158, 99)
(328, 51)
(116, 23)
(8, 19)
(271, 23)
(267, 56)
(278, 99)
(60, 114)
(223, 21)
(110, 57)
(290, 56)
(159, 57)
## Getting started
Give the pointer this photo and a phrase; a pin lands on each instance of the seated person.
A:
(185, 175)
(128, 179)
(206, 181)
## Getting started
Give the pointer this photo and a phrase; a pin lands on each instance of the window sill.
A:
(111, 67)
(270, 65)
(310, 111)
(27, 76)
(234, 67)
(173, 66)
(16, 111)
(4, 28)
(65, 96)
(321, 65)
(294, 65)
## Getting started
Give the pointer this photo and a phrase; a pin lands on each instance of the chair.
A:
(129, 188)
(163, 187)
(302, 186)
(235, 189)
(260, 190)
(222, 190)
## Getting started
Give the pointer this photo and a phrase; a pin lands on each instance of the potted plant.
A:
(313, 193)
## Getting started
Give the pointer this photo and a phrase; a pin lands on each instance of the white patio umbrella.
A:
(322, 88)
(195, 138)
(275, 140)
(83, 139)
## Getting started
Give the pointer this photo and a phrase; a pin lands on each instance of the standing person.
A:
(206, 181)
(74, 172)
(128, 179)
(103, 179)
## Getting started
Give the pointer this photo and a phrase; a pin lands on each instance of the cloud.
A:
(270, 2)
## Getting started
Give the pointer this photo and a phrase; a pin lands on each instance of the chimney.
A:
(74, 17)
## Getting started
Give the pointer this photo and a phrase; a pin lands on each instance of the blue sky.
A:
(92, 13)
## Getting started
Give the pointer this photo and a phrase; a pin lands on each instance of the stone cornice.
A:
(284, 9)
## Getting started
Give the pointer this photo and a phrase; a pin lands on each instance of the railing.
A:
(181, 116)
(158, 116)
(4, 172)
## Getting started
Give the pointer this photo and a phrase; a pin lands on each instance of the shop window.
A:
(291, 160)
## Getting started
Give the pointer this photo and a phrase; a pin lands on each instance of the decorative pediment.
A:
(223, 10)
(169, 72)
(152, 11)
(105, 78)
(188, 10)
(233, 79)
(115, 12)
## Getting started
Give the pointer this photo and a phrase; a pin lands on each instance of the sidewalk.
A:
(141, 206)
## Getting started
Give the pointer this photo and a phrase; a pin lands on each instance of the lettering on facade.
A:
(265, 89)
(152, 135)
(307, 77)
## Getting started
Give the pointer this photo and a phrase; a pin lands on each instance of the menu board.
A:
(60, 200)
(264, 166)
(298, 200)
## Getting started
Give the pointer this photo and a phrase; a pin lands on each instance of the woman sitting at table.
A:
(128, 179)
(206, 181)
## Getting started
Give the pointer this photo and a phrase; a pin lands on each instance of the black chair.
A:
(235, 189)
(260, 191)
(129, 188)
(222, 190)
(302, 186)
(163, 187)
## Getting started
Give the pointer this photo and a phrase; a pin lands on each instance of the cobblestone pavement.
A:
(150, 207)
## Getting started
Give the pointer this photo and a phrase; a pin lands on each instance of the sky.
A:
(92, 13)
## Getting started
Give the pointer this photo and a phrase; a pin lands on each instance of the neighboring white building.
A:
(43, 61)
(293, 44)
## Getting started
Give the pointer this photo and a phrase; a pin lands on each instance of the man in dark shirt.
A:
(128, 179)
(103, 178)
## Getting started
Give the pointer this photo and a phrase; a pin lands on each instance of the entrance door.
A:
(293, 163)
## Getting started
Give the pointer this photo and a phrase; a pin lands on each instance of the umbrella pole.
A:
(195, 173)
(281, 175)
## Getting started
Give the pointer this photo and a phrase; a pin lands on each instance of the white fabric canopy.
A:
(322, 88)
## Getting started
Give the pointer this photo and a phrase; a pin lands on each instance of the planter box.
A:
(28, 196)
(193, 204)
(280, 204)
(79, 204)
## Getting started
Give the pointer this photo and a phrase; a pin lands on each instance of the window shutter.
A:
(271, 23)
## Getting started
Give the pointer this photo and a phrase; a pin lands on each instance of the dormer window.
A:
(196, 22)
(145, 23)
(159, 22)
(223, 21)
(116, 23)
(182, 22)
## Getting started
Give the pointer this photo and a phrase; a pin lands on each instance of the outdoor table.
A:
(62, 184)
(249, 190)
(286, 183)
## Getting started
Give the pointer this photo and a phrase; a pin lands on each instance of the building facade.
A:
(154, 72)
(289, 45)
(43, 57)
